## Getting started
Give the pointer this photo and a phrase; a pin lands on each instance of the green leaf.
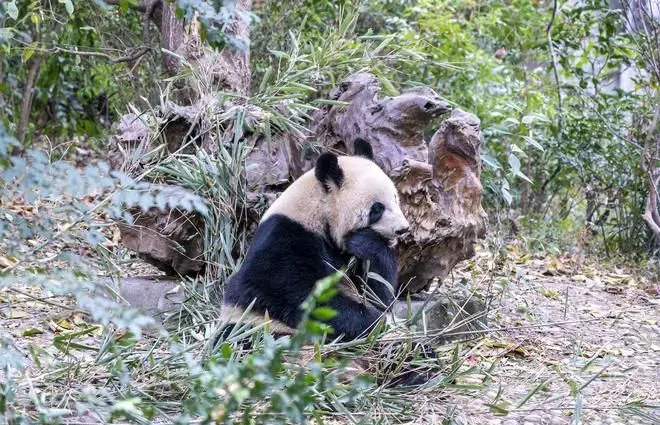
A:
(279, 54)
(515, 148)
(539, 387)
(329, 102)
(528, 119)
(32, 332)
(226, 350)
(507, 195)
(382, 45)
(327, 295)
(124, 4)
(533, 142)
(5, 34)
(514, 162)
(388, 87)
(12, 10)
(523, 176)
(68, 5)
(490, 161)
(499, 409)
(64, 342)
(324, 313)
(302, 86)
(27, 54)
(265, 79)
(318, 328)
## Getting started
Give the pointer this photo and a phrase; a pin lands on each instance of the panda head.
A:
(357, 194)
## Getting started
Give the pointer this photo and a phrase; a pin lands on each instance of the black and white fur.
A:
(345, 207)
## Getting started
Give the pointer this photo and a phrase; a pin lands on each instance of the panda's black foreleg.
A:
(353, 318)
(378, 257)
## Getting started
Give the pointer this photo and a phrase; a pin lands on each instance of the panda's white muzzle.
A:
(391, 225)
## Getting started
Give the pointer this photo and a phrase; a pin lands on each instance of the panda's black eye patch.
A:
(376, 212)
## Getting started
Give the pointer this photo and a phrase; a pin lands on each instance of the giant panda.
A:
(346, 207)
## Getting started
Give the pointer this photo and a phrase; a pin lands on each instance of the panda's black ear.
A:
(327, 170)
(363, 148)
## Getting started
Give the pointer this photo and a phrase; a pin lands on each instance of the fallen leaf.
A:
(627, 352)
(66, 324)
(7, 262)
(32, 332)
(16, 314)
(521, 351)
(548, 293)
(78, 319)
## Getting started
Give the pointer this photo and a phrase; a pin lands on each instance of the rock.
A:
(153, 295)
(446, 317)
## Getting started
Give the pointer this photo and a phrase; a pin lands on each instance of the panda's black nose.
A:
(402, 231)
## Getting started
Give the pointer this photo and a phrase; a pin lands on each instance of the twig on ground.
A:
(45, 301)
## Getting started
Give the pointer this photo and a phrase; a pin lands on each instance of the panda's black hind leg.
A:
(409, 374)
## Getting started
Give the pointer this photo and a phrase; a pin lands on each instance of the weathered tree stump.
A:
(170, 239)
(438, 182)
(442, 200)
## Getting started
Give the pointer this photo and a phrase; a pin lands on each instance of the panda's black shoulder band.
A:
(363, 148)
(327, 169)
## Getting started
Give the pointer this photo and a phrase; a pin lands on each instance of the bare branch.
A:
(553, 55)
(138, 53)
(651, 214)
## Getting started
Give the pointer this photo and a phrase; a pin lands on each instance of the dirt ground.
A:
(571, 339)
(574, 332)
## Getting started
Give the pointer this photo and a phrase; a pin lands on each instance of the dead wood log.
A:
(438, 182)
(170, 239)
(393, 125)
(442, 200)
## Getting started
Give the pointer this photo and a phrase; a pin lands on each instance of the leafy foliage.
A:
(292, 393)
(50, 206)
(214, 16)
(76, 91)
(546, 161)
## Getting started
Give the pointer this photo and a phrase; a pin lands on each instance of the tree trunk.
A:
(232, 67)
(172, 40)
(26, 105)
(652, 213)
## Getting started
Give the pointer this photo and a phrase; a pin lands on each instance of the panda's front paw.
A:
(366, 244)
